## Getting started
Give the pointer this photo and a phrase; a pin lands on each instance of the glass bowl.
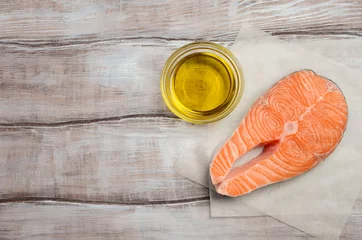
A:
(202, 82)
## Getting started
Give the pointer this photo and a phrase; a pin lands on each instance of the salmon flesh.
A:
(299, 122)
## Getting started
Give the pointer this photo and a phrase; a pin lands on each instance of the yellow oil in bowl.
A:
(202, 82)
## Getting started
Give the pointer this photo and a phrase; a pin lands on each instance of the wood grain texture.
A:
(81, 60)
(76, 21)
(129, 161)
(353, 228)
(82, 118)
(78, 82)
(103, 80)
(63, 220)
(49, 220)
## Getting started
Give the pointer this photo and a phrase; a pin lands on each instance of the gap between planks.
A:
(70, 42)
(75, 201)
(60, 43)
(88, 121)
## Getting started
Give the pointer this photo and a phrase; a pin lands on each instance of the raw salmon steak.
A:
(299, 122)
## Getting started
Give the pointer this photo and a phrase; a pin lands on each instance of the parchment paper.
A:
(317, 202)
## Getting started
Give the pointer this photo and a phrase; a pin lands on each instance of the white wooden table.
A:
(87, 145)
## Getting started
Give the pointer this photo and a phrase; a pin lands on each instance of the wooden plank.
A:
(127, 161)
(59, 79)
(80, 82)
(353, 227)
(103, 80)
(357, 207)
(74, 21)
(50, 220)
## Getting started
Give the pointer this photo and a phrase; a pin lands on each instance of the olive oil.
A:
(202, 82)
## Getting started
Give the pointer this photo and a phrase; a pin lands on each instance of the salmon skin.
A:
(299, 122)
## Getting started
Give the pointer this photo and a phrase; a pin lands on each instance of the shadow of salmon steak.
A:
(299, 122)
